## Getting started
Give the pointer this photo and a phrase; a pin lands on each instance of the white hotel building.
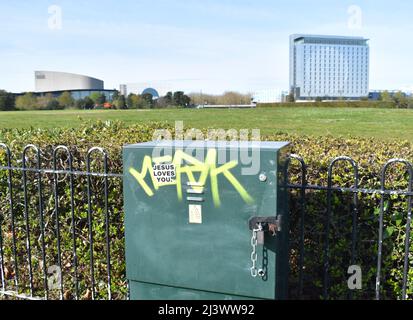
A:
(329, 67)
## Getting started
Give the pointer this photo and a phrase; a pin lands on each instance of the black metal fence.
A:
(76, 247)
(61, 231)
(356, 193)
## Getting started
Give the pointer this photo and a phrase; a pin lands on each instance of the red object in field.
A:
(107, 105)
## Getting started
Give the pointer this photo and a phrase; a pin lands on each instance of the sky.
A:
(195, 45)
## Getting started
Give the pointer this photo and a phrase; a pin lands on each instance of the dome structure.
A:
(151, 91)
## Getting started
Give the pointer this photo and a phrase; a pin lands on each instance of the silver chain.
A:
(254, 255)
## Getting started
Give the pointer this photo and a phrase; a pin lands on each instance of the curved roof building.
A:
(154, 93)
(49, 81)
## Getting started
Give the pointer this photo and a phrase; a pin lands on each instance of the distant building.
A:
(377, 94)
(269, 96)
(153, 92)
(55, 83)
(161, 87)
(126, 89)
(329, 67)
(48, 81)
(123, 89)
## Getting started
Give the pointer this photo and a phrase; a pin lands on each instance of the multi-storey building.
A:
(329, 67)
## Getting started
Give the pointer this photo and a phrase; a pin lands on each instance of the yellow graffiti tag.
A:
(204, 169)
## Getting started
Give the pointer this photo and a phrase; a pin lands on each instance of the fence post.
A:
(328, 217)
(381, 225)
(302, 218)
(90, 220)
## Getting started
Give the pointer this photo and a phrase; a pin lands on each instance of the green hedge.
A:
(370, 154)
(330, 104)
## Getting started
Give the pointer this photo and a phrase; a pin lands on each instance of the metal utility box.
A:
(206, 220)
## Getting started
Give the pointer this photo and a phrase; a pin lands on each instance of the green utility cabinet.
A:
(195, 211)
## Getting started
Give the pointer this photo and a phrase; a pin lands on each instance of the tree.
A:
(400, 100)
(88, 103)
(85, 104)
(169, 98)
(186, 100)
(385, 96)
(27, 101)
(101, 99)
(95, 96)
(147, 100)
(177, 98)
(234, 98)
(291, 98)
(116, 95)
(135, 101)
(53, 104)
(163, 102)
(120, 102)
(98, 98)
(80, 104)
(410, 102)
(66, 100)
(7, 101)
(43, 101)
(174, 99)
(202, 98)
(132, 101)
(180, 99)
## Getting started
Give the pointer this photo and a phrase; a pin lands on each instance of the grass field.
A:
(380, 123)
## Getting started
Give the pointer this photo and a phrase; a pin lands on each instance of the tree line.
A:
(395, 99)
(146, 101)
(7, 101)
(30, 101)
(228, 98)
(399, 99)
